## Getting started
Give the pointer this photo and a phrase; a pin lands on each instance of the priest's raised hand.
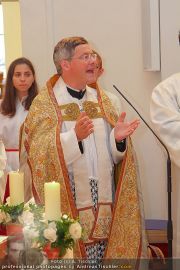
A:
(124, 129)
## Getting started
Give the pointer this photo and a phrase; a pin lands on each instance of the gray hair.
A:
(65, 50)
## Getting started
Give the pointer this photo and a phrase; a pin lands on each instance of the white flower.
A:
(65, 216)
(26, 218)
(75, 230)
(4, 217)
(30, 233)
(50, 234)
(31, 201)
(44, 219)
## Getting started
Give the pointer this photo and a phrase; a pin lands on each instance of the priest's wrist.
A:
(81, 147)
(121, 145)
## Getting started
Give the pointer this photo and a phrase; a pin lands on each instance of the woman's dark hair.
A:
(8, 105)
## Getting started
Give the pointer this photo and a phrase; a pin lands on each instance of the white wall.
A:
(12, 39)
(114, 29)
(35, 36)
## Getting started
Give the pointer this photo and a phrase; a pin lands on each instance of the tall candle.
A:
(16, 187)
(52, 200)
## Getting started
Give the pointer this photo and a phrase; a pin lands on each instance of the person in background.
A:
(98, 71)
(20, 90)
(15, 245)
(73, 135)
(32, 258)
(165, 116)
(93, 82)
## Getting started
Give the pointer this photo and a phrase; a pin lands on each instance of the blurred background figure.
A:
(165, 116)
(98, 71)
(15, 245)
(20, 90)
(32, 257)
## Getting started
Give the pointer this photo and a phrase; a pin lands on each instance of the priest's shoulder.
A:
(42, 96)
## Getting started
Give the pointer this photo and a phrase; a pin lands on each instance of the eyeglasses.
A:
(86, 57)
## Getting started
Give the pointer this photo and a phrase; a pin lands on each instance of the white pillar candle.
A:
(16, 187)
(52, 201)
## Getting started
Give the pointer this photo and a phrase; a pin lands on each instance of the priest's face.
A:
(80, 67)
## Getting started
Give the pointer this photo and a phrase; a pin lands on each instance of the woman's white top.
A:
(9, 137)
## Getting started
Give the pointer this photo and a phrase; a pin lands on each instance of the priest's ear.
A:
(100, 72)
(65, 64)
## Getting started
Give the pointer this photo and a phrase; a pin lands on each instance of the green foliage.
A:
(14, 211)
(64, 239)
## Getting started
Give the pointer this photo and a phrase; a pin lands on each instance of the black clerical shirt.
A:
(76, 94)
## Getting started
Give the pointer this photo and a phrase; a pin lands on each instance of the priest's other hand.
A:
(83, 127)
(124, 129)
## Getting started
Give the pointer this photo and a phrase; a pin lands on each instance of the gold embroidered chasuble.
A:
(40, 137)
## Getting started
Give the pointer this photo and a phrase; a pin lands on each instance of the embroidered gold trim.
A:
(71, 111)
(109, 109)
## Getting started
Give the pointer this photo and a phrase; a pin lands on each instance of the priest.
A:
(74, 135)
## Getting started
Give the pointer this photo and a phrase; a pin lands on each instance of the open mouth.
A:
(90, 71)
